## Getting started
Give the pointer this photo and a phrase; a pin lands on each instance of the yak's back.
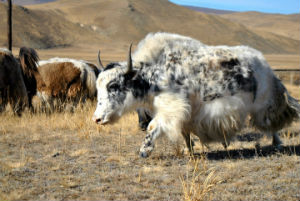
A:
(150, 48)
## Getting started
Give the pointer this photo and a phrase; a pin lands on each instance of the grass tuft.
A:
(198, 185)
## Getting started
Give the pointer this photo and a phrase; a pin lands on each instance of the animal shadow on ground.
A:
(258, 151)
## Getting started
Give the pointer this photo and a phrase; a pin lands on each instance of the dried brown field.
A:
(285, 61)
(65, 156)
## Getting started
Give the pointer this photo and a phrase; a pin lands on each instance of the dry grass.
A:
(66, 156)
(279, 61)
(198, 185)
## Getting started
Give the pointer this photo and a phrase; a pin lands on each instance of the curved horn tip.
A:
(99, 61)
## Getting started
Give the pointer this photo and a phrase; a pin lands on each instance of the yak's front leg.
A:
(172, 110)
(153, 132)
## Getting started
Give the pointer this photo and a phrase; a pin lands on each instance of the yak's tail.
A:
(292, 103)
(89, 78)
(281, 112)
(28, 60)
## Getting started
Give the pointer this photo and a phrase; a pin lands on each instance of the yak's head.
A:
(118, 87)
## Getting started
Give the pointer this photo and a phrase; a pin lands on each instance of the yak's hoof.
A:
(278, 147)
(143, 126)
(144, 155)
(225, 145)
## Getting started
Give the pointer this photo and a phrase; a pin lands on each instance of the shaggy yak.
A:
(190, 87)
(67, 81)
(18, 79)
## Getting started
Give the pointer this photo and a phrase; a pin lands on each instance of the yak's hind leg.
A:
(189, 142)
(280, 112)
(3, 99)
(276, 142)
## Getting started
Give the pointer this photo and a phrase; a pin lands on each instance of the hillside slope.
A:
(131, 20)
(124, 21)
(42, 29)
(285, 25)
(209, 10)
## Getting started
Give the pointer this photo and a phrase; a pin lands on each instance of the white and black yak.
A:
(190, 87)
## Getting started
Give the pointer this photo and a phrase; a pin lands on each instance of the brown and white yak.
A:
(18, 79)
(190, 87)
(66, 81)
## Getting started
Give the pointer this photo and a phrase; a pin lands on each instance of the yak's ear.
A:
(131, 75)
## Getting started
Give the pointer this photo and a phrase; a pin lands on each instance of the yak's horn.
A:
(129, 62)
(100, 65)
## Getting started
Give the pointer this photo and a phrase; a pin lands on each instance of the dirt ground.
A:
(66, 156)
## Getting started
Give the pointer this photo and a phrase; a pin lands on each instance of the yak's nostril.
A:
(98, 120)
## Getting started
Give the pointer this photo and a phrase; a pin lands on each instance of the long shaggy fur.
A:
(150, 48)
(205, 90)
(272, 110)
(164, 105)
(279, 112)
(28, 61)
(12, 86)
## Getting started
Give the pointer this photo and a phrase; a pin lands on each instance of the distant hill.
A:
(73, 22)
(210, 10)
(29, 2)
(280, 24)
(285, 25)
(42, 29)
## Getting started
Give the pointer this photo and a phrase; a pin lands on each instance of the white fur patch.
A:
(4, 50)
(149, 49)
(172, 111)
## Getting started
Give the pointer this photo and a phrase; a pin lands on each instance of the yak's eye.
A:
(113, 86)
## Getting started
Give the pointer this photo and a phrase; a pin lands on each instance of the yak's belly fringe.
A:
(219, 129)
(220, 120)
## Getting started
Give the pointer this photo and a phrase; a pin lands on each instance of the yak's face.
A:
(114, 94)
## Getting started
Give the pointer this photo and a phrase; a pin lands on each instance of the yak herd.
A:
(177, 84)
(56, 81)
(59, 83)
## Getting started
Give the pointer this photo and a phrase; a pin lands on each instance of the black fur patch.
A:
(144, 118)
(154, 88)
(230, 64)
(111, 65)
(212, 97)
(116, 90)
(248, 84)
(138, 86)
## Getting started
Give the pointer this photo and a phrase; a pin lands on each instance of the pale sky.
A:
(268, 6)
